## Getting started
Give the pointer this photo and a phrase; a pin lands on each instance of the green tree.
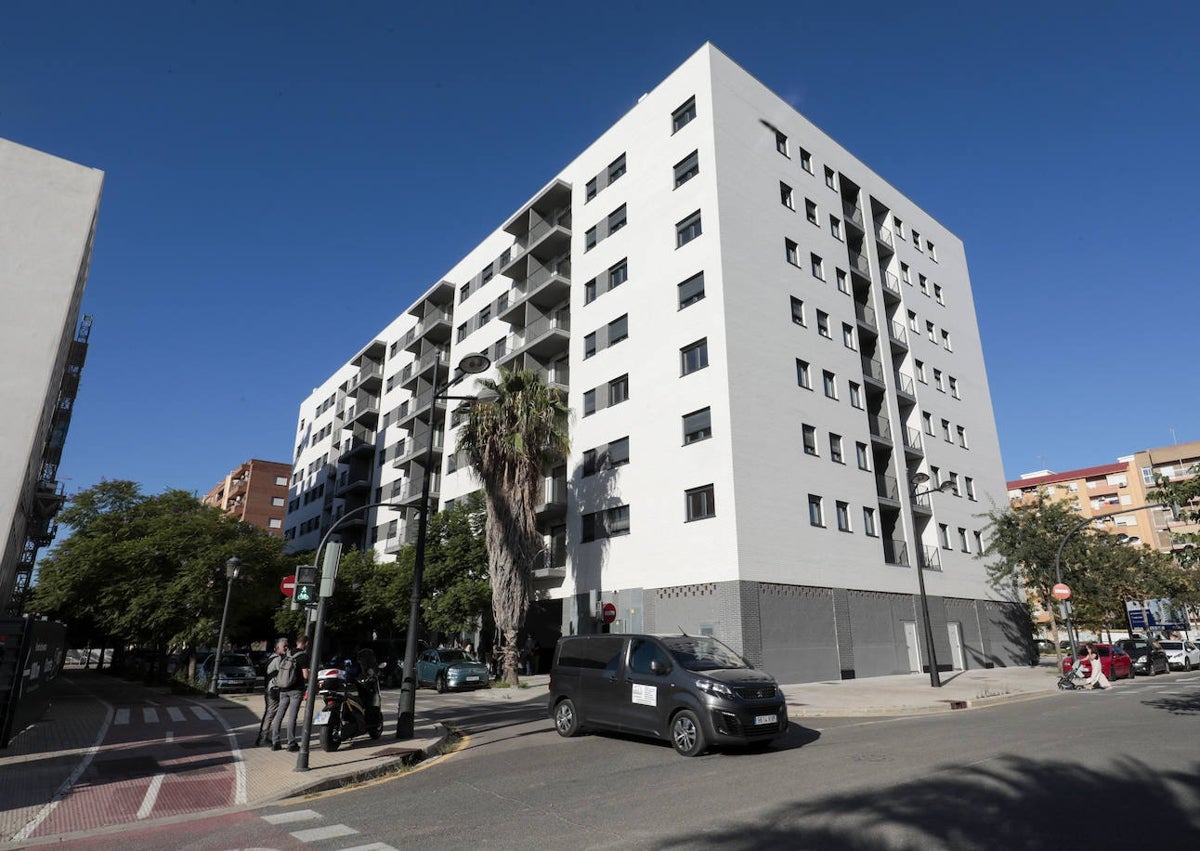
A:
(513, 434)
(1183, 496)
(1118, 572)
(457, 592)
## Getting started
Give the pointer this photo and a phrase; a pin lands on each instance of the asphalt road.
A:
(1075, 770)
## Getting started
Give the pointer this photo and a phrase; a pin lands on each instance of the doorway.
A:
(956, 646)
(914, 647)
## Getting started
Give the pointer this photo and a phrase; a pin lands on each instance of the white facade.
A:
(603, 250)
(48, 209)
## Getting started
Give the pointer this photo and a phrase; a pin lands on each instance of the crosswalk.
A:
(150, 714)
(307, 832)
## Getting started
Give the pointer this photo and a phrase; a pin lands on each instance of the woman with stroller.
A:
(1097, 678)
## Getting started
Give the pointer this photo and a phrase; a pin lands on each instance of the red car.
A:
(1114, 662)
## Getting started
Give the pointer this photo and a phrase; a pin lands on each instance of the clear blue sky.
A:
(285, 178)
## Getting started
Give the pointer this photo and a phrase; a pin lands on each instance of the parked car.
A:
(237, 672)
(1183, 655)
(450, 669)
(1148, 657)
(1114, 662)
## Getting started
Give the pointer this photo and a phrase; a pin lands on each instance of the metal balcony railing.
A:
(879, 426)
(898, 332)
(887, 487)
(895, 551)
(865, 314)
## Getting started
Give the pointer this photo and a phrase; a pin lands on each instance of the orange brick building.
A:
(255, 492)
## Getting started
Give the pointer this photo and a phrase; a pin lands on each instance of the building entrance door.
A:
(956, 646)
(914, 647)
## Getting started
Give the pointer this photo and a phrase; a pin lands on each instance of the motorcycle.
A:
(352, 703)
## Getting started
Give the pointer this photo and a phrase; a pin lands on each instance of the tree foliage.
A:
(1184, 497)
(457, 593)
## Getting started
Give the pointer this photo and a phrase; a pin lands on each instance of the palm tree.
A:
(516, 431)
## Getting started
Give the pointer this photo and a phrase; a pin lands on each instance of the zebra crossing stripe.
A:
(201, 713)
(317, 834)
(121, 717)
(293, 815)
(175, 712)
(374, 846)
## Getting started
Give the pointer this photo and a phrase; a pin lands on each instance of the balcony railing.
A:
(887, 487)
(872, 369)
(558, 218)
(884, 235)
(931, 558)
(865, 315)
(880, 427)
(369, 370)
(852, 212)
(860, 264)
(898, 332)
(891, 283)
(895, 551)
(430, 319)
(912, 439)
(905, 384)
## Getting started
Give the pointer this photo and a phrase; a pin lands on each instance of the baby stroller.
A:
(1074, 679)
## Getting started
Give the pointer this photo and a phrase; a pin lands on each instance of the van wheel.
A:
(686, 734)
(566, 721)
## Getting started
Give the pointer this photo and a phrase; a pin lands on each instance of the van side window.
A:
(642, 653)
(597, 652)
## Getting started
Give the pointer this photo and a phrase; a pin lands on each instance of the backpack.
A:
(287, 675)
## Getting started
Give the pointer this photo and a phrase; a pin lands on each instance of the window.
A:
(274, 523)
(842, 285)
(816, 514)
(589, 402)
(781, 143)
(687, 230)
(687, 168)
(923, 284)
(962, 436)
(843, 516)
(790, 252)
(605, 524)
(823, 324)
(683, 115)
(969, 486)
(818, 266)
(928, 421)
(830, 383)
(869, 521)
(802, 374)
(618, 275)
(830, 179)
(848, 336)
(691, 290)
(785, 196)
(485, 316)
(930, 332)
(810, 210)
(864, 458)
(912, 321)
(806, 161)
(694, 357)
(616, 220)
(589, 239)
(835, 227)
(810, 439)
(946, 341)
(277, 501)
(700, 503)
(463, 292)
(954, 483)
(953, 387)
(281, 481)
(618, 390)
(905, 275)
(589, 291)
(932, 251)
(590, 190)
(618, 452)
(798, 311)
(616, 168)
(855, 395)
(835, 448)
(962, 540)
(919, 368)
(618, 329)
(946, 431)
(978, 543)
(697, 426)
(898, 226)
(460, 332)
(916, 238)
(944, 535)
(937, 380)
(589, 345)
(937, 294)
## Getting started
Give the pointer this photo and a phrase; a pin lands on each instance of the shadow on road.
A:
(1189, 705)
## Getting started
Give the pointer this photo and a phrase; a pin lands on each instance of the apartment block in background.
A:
(256, 492)
(48, 210)
(762, 342)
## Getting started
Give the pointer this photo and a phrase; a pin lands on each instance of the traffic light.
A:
(306, 583)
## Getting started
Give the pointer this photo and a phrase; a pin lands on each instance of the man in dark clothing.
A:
(271, 696)
(290, 699)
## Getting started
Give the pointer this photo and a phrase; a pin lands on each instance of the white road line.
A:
(374, 846)
(151, 796)
(175, 712)
(150, 716)
(239, 764)
(151, 703)
(316, 834)
(201, 713)
(121, 717)
(294, 815)
(62, 791)
(170, 737)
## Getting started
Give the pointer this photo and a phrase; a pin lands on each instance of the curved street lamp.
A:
(935, 680)
(233, 569)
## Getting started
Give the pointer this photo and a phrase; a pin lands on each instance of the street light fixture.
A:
(935, 680)
(471, 364)
(233, 568)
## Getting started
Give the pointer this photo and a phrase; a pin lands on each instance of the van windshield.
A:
(702, 653)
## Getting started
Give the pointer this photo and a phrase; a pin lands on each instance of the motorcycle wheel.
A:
(375, 730)
(331, 736)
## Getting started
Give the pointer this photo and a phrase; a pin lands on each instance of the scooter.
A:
(352, 703)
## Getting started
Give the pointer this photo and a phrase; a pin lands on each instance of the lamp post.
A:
(935, 681)
(471, 364)
(233, 567)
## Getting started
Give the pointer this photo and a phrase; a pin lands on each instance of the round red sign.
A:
(608, 613)
(1061, 591)
(288, 585)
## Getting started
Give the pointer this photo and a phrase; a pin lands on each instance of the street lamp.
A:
(935, 681)
(471, 364)
(233, 567)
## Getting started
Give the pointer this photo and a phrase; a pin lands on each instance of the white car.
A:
(1183, 655)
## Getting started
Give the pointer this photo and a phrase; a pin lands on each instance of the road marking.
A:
(239, 764)
(150, 716)
(151, 796)
(170, 737)
(317, 834)
(294, 815)
(122, 717)
(374, 846)
(151, 703)
(175, 712)
(62, 790)
(201, 713)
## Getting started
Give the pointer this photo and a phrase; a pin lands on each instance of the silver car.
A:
(237, 672)
(1182, 655)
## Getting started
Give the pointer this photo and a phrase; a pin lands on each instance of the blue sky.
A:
(285, 178)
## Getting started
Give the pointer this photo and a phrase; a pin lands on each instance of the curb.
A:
(950, 705)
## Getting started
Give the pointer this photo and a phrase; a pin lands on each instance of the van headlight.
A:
(714, 688)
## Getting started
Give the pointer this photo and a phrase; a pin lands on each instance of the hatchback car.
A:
(237, 672)
(1183, 655)
(1148, 658)
(450, 669)
(690, 690)
(1114, 662)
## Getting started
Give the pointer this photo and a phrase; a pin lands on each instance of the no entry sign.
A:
(608, 613)
(288, 585)
(1061, 591)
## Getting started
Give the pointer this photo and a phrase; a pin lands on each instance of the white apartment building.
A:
(48, 209)
(762, 342)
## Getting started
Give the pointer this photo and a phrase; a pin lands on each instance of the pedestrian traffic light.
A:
(306, 583)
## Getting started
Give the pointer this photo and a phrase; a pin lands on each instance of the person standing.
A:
(271, 694)
(292, 680)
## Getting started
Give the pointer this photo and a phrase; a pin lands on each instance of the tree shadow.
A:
(1011, 802)
(1189, 705)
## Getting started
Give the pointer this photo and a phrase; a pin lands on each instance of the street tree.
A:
(1183, 495)
(458, 595)
(513, 435)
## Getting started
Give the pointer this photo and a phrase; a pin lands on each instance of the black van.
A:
(690, 689)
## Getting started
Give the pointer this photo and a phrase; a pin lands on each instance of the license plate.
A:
(472, 679)
(766, 719)
(321, 718)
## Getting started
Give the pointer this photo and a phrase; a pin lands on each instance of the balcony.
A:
(905, 386)
(884, 236)
(417, 445)
(410, 494)
(887, 488)
(419, 369)
(860, 265)
(369, 378)
(415, 406)
(922, 505)
(434, 326)
(361, 441)
(365, 411)
(912, 441)
(895, 551)
(880, 427)
(544, 287)
(553, 505)
(866, 316)
(873, 370)
(351, 481)
(852, 213)
(931, 558)
(542, 338)
(891, 284)
(898, 333)
(548, 236)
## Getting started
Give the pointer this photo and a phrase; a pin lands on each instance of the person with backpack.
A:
(292, 681)
(271, 694)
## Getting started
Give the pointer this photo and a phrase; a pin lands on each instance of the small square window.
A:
(589, 239)
(962, 436)
(694, 357)
(816, 513)
(618, 275)
(797, 311)
(616, 521)
(912, 321)
(618, 452)
(781, 143)
(969, 486)
(930, 332)
(932, 251)
(463, 292)
(618, 329)
(862, 456)
(946, 341)
(905, 274)
(835, 227)
(937, 294)
(944, 536)
(697, 426)
(848, 337)
(806, 161)
(590, 190)
(830, 383)
(946, 431)
(919, 368)
(978, 543)
(937, 381)
(810, 210)
(460, 333)
(791, 252)
(803, 378)
(809, 436)
(843, 516)
(785, 196)
(869, 522)
(842, 284)
(830, 178)
(855, 395)
(927, 420)
(684, 114)
(823, 324)
(589, 345)
(923, 284)
(618, 390)
(589, 291)
(818, 267)
(616, 169)
(954, 387)
(835, 449)
(691, 290)
(589, 402)
(700, 503)
(687, 168)
(916, 238)
(688, 229)
(616, 220)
